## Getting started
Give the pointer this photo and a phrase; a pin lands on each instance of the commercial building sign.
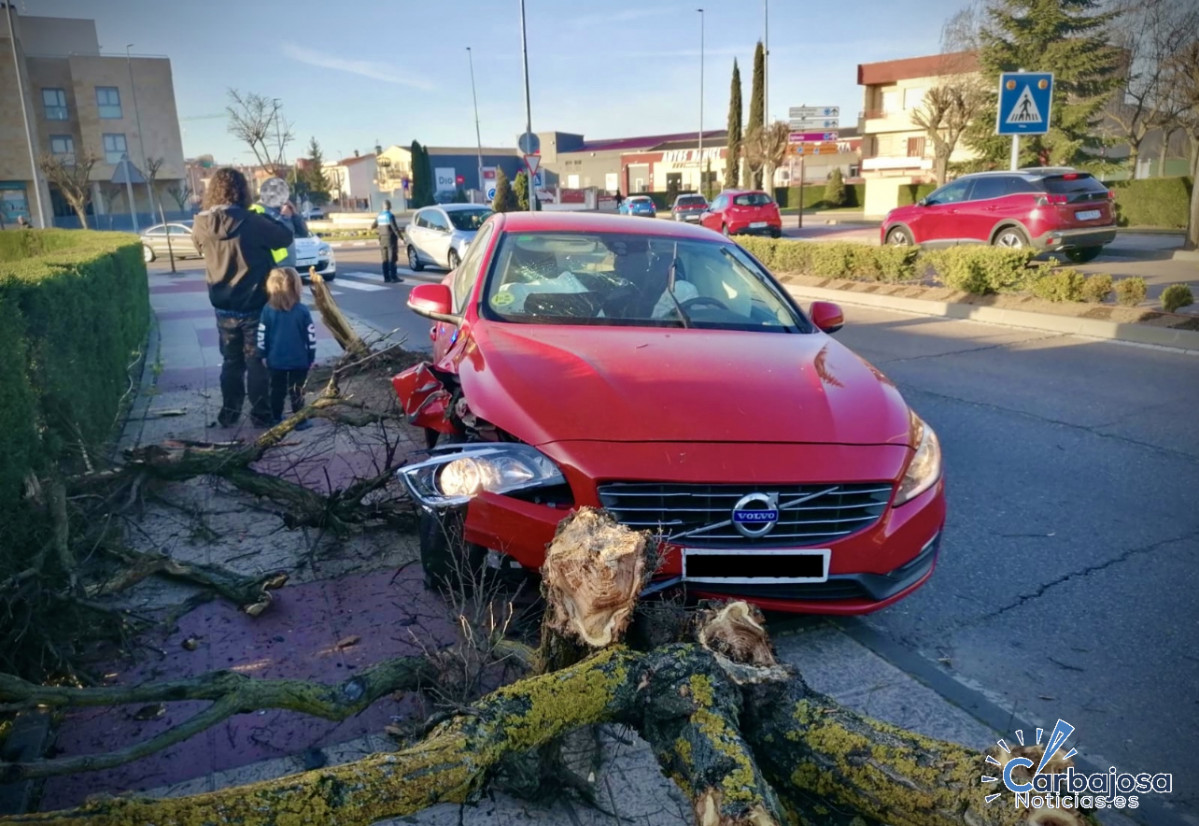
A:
(681, 158)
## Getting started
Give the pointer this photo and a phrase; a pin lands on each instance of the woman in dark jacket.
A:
(236, 244)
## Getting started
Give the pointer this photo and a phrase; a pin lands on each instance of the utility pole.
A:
(16, 65)
(141, 142)
(524, 49)
(703, 185)
(278, 136)
(478, 137)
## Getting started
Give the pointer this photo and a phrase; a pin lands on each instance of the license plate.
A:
(306, 262)
(757, 225)
(756, 566)
(1088, 214)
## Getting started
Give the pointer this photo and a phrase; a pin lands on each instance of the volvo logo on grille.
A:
(756, 514)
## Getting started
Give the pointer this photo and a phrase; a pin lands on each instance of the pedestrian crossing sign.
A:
(1024, 101)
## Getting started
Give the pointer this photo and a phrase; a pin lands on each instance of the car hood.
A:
(307, 247)
(547, 383)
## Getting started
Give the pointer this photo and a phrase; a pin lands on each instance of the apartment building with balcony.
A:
(80, 101)
(895, 150)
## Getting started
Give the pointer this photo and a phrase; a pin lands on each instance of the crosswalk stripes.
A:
(358, 281)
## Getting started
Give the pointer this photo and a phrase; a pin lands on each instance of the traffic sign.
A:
(532, 161)
(799, 112)
(491, 193)
(1024, 103)
(807, 137)
(528, 144)
(813, 124)
(828, 148)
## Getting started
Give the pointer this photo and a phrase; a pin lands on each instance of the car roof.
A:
(640, 198)
(460, 207)
(1028, 172)
(599, 222)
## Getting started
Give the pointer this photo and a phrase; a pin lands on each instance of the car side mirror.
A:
(825, 315)
(433, 301)
(923, 202)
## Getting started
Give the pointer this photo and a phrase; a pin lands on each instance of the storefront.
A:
(680, 170)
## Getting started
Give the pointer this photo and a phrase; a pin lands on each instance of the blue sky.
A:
(356, 71)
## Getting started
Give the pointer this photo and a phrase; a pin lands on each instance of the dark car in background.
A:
(1046, 208)
(744, 212)
(689, 207)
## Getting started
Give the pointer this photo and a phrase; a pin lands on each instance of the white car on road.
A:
(439, 235)
(315, 253)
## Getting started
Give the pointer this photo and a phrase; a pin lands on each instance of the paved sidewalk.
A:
(353, 602)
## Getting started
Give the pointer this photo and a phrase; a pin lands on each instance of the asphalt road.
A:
(1068, 580)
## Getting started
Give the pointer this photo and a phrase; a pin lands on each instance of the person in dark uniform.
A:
(389, 241)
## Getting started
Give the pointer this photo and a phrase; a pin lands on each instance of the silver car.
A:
(155, 243)
(439, 235)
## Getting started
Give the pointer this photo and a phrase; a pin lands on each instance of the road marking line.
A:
(360, 286)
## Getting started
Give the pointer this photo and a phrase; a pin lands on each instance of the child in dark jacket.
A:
(286, 341)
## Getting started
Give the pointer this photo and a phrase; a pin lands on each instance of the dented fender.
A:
(424, 397)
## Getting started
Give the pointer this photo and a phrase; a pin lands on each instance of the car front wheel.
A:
(1011, 237)
(450, 563)
(452, 260)
(1081, 255)
(899, 237)
(147, 254)
(414, 263)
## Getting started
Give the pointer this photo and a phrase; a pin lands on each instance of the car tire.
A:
(1012, 238)
(452, 260)
(450, 563)
(899, 237)
(1081, 255)
(414, 263)
(775, 233)
(147, 254)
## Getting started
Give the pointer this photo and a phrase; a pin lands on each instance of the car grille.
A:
(828, 512)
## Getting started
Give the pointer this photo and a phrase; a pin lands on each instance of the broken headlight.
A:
(925, 468)
(457, 473)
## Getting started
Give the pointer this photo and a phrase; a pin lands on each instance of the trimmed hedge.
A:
(75, 309)
(1153, 202)
(912, 193)
(982, 270)
(813, 196)
(834, 259)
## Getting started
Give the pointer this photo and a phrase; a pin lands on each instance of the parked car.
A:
(154, 241)
(743, 212)
(313, 253)
(1046, 208)
(689, 207)
(572, 355)
(314, 214)
(439, 235)
(638, 205)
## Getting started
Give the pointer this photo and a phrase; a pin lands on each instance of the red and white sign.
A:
(533, 162)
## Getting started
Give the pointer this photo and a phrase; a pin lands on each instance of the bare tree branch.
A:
(71, 175)
(257, 121)
(946, 112)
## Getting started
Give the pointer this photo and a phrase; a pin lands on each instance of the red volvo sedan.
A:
(657, 370)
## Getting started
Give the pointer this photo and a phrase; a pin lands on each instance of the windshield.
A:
(468, 219)
(752, 199)
(692, 200)
(617, 279)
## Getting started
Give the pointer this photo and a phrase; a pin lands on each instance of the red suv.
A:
(1047, 208)
(743, 211)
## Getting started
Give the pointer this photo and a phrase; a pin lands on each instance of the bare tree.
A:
(1182, 79)
(258, 122)
(945, 113)
(1151, 33)
(181, 194)
(765, 148)
(71, 174)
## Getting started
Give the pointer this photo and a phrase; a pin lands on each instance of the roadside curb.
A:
(1186, 340)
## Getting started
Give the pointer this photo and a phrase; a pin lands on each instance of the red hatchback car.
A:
(660, 372)
(1047, 208)
(743, 212)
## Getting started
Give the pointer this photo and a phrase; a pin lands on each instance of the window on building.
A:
(108, 100)
(63, 147)
(54, 102)
(114, 148)
(890, 101)
(916, 147)
(912, 98)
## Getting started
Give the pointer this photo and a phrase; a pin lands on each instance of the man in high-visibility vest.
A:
(389, 241)
(285, 256)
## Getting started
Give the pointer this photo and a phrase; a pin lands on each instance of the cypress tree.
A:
(757, 102)
(733, 160)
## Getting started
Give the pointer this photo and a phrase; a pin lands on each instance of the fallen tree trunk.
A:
(335, 320)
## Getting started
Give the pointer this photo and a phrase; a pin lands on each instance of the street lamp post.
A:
(700, 159)
(478, 137)
(278, 135)
(766, 61)
(16, 67)
(524, 48)
(141, 141)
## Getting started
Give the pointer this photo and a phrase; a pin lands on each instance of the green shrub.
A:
(814, 196)
(982, 270)
(1131, 291)
(911, 193)
(834, 190)
(1176, 296)
(834, 259)
(1153, 202)
(1060, 284)
(73, 316)
(1097, 288)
